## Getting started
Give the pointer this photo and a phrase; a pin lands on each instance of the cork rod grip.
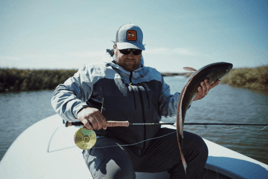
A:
(117, 123)
(109, 124)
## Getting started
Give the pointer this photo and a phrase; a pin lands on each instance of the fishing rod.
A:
(226, 124)
(118, 124)
(86, 139)
(127, 124)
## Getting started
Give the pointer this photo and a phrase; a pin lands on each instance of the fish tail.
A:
(184, 164)
(181, 132)
(180, 143)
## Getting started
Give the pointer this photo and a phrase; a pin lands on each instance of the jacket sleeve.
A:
(69, 98)
(168, 102)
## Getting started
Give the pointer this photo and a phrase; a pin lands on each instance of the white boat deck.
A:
(46, 150)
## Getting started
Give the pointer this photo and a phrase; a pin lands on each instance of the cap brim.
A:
(126, 45)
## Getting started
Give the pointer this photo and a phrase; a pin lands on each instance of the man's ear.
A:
(114, 49)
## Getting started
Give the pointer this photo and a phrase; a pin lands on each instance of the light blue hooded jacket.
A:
(137, 96)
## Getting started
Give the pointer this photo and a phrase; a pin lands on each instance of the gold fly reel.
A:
(84, 138)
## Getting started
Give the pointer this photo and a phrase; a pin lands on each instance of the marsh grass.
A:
(251, 78)
(14, 80)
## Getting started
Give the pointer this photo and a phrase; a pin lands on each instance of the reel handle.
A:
(109, 124)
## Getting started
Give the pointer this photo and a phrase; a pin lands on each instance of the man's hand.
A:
(92, 118)
(204, 88)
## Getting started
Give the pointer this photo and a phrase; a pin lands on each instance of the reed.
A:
(14, 80)
(251, 78)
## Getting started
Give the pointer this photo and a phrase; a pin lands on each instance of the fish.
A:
(212, 72)
(189, 69)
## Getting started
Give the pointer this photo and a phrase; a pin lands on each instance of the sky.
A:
(66, 34)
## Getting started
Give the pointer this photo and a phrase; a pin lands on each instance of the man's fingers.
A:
(204, 88)
(207, 83)
(197, 96)
(103, 121)
(215, 84)
(100, 121)
(92, 118)
(87, 124)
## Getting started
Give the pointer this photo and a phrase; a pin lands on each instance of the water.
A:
(222, 104)
(230, 105)
(20, 110)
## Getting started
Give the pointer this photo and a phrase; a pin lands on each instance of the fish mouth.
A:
(230, 66)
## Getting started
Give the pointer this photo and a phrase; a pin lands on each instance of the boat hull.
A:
(46, 150)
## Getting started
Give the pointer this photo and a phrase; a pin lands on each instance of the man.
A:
(124, 89)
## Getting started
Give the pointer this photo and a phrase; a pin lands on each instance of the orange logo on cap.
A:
(131, 35)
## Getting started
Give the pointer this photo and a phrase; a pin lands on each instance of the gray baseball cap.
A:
(129, 36)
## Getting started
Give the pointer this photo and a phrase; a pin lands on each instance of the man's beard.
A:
(130, 65)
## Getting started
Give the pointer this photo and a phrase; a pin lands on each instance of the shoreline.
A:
(18, 80)
(248, 78)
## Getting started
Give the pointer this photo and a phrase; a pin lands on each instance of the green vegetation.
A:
(13, 80)
(251, 78)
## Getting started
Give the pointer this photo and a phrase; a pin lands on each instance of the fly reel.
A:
(84, 138)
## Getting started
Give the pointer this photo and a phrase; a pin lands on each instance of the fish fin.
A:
(189, 69)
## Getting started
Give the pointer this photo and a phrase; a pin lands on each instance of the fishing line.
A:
(239, 126)
(215, 168)
(243, 128)
(263, 128)
(125, 145)
(205, 174)
(127, 123)
(231, 128)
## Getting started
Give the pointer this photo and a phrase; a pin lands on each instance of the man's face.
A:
(129, 62)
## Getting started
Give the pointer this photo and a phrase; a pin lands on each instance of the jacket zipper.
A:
(142, 105)
(133, 97)
(143, 115)
(130, 76)
(130, 83)
(146, 92)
